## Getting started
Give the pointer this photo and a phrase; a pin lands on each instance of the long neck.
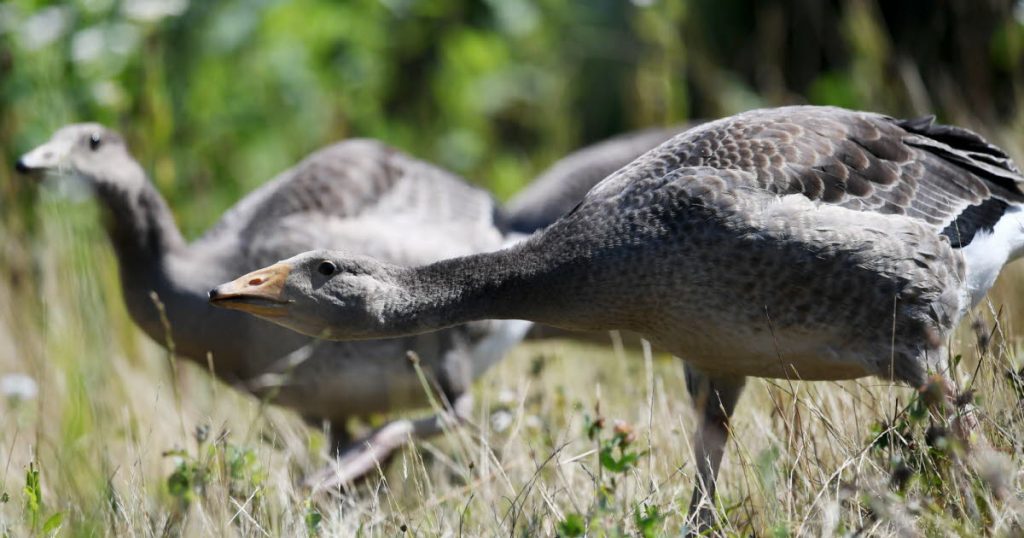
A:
(153, 258)
(150, 250)
(522, 282)
(141, 226)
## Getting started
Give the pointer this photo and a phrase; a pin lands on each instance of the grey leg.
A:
(714, 400)
(364, 455)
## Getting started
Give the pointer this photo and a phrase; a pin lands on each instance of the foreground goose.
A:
(803, 242)
(358, 195)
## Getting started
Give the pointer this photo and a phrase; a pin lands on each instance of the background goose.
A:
(559, 188)
(359, 195)
(802, 242)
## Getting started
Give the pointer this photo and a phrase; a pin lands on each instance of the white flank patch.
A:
(989, 251)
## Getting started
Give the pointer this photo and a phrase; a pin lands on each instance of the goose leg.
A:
(714, 398)
(364, 455)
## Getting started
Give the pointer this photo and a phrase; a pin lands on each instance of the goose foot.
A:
(362, 457)
(371, 453)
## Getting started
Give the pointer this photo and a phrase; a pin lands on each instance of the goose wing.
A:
(365, 197)
(947, 177)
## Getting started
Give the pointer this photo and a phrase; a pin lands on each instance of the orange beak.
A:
(259, 292)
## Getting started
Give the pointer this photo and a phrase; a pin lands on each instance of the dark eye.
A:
(327, 268)
(94, 141)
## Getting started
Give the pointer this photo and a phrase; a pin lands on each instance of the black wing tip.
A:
(917, 125)
(976, 218)
(955, 137)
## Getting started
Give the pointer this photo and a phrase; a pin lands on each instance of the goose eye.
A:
(327, 268)
(94, 141)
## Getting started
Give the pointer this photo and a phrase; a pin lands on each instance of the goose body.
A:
(359, 195)
(799, 242)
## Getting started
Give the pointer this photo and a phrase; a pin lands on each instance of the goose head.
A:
(319, 293)
(88, 151)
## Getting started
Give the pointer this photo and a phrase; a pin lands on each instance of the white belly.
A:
(988, 252)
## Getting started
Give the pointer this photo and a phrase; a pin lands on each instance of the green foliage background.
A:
(216, 97)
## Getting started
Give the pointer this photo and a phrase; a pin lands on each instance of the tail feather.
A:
(969, 151)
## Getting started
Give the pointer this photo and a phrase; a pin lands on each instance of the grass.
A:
(568, 438)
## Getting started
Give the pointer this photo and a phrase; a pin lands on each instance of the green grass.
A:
(108, 447)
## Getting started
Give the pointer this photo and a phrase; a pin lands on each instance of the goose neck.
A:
(513, 283)
(141, 225)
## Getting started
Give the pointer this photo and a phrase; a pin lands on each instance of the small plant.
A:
(648, 521)
(920, 453)
(572, 525)
(188, 478)
(616, 456)
(34, 503)
(231, 466)
(313, 518)
(33, 495)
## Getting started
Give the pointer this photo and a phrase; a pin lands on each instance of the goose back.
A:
(364, 196)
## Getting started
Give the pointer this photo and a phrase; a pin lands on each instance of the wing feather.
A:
(946, 176)
(361, 196)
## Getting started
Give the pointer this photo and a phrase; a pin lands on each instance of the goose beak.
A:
(260, 292)
(29, 164)
(43, 158)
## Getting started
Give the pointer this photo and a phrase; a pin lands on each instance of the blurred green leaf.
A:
(572, 525)
(33, 494)
(53, 523)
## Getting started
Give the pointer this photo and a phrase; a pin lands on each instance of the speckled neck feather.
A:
(529, 281)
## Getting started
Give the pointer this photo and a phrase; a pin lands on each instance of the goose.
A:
(359, 195)
(804, 242)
